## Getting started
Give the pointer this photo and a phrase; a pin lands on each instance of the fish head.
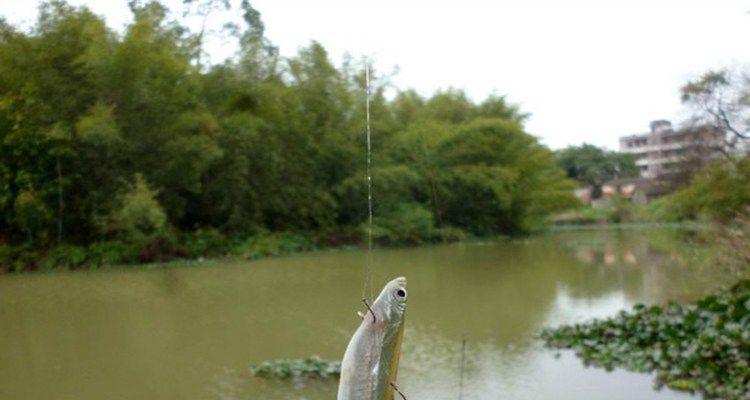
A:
(392, 300)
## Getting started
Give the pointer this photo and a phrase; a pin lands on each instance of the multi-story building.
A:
(664, 151)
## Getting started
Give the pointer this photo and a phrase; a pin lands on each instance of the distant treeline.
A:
(127, 148)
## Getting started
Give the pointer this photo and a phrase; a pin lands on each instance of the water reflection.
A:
(192, 333)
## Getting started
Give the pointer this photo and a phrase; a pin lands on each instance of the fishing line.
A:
(367, 286)
(393, 385)
(461, 375)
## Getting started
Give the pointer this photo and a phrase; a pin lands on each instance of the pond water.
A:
(193, 332)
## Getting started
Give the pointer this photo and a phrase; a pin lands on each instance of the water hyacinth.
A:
(311, 367)
(701, 347)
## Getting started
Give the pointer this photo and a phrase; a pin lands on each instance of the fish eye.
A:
(401, 293)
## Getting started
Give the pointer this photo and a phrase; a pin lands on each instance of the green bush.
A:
(160, 246)
(31, 214)
(657, 210)
(140, 217)
(449, 234)
(272, 244)
(718, 192)
(204, 242)
(621, 210)
(25, 258)
(64, 256)
(406, 223)
(581, 215)
(112, 253)
(6, 257)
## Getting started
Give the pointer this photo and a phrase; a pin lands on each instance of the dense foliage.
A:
(594, 166)
(128, 147)
(702, 347)
(311, 367)
(718, 192)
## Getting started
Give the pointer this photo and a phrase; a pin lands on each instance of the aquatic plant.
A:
(311, 367)
(701, 347)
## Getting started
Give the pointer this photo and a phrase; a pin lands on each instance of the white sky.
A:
(587, 71)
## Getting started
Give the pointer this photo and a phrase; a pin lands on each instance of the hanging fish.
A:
(370, 364)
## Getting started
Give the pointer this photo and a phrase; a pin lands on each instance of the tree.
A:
(134, 144)
(591, 165)
(721, 99)
(139, 215)
(47, 79)
(720, 192)
(203, 9)
(500, 179)
(417, 147)
(31, 214)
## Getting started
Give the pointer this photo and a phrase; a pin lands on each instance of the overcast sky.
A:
(587, 71)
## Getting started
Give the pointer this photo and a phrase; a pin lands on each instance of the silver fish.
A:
(370, 362)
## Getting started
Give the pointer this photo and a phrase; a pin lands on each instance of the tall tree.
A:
(594, 166)
(722, 99)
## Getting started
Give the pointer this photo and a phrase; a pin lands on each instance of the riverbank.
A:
(685, 225)
(177, 250)
(157, 249)
(203, 246)
(617, 211)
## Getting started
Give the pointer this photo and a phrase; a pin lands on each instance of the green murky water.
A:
(192, 333)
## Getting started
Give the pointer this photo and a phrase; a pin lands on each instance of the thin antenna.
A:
(461, 376)
(368, 268)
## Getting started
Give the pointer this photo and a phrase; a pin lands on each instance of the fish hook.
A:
(374, 318)
(393, 385)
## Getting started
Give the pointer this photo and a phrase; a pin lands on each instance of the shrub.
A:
(718, 192)
(450, 234)
(140, 215)
(25, 258)
(735, 239)
(31, 214)
(621, 210)
(655, 210)
(111, 253)
(272, 244)
(204, 242)
(6, 256)
(406, 223)
(162, 246)
(64, 256)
